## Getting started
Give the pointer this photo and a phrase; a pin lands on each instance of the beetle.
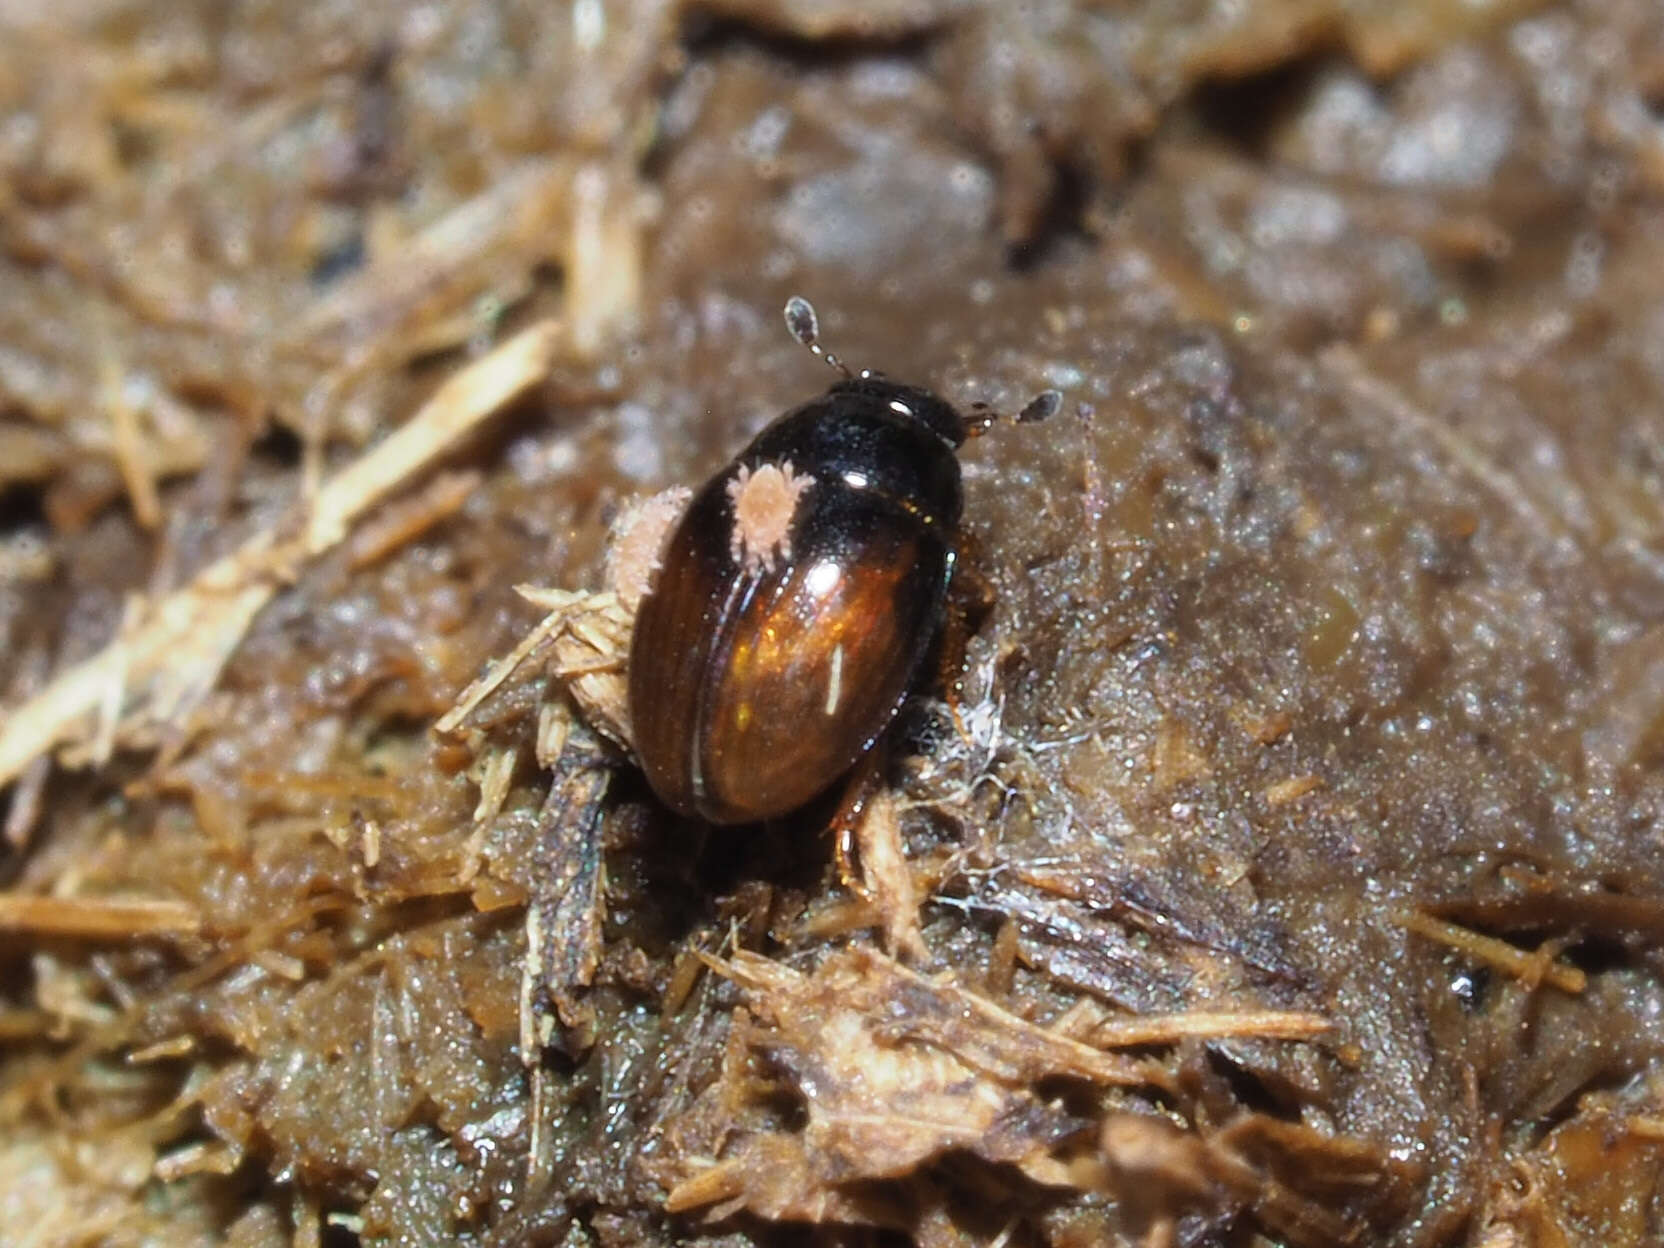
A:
(798, 595)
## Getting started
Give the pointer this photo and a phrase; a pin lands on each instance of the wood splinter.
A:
(1530, 968)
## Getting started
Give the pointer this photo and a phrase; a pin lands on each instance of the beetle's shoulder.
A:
(870, 403)
(877, 438)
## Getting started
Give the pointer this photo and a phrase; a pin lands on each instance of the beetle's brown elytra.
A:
(798, 595)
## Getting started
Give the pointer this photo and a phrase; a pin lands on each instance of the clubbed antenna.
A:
(1041, 407)
(805, 327)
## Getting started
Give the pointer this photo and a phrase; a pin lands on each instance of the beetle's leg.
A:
(971, 597)
(863, 783)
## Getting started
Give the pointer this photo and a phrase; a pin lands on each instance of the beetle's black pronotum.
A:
(798, 595)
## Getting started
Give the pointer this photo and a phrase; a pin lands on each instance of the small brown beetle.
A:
(772, 637)
(799, 594)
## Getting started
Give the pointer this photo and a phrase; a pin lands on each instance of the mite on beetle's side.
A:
(797, 596)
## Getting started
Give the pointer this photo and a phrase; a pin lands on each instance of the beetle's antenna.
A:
(1041, 407)
(804, 325)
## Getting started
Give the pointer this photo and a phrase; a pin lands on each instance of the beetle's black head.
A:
(908, 404)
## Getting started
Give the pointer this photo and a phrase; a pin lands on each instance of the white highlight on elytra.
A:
(822, 578)
(856, 480)
(835, 682)
(765, 502)
(900, 408)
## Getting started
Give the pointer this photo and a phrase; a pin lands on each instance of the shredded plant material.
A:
(1288, 871)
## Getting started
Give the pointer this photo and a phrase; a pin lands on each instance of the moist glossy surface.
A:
(1346, 601)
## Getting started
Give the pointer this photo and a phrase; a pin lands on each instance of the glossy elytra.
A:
(798, 595)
